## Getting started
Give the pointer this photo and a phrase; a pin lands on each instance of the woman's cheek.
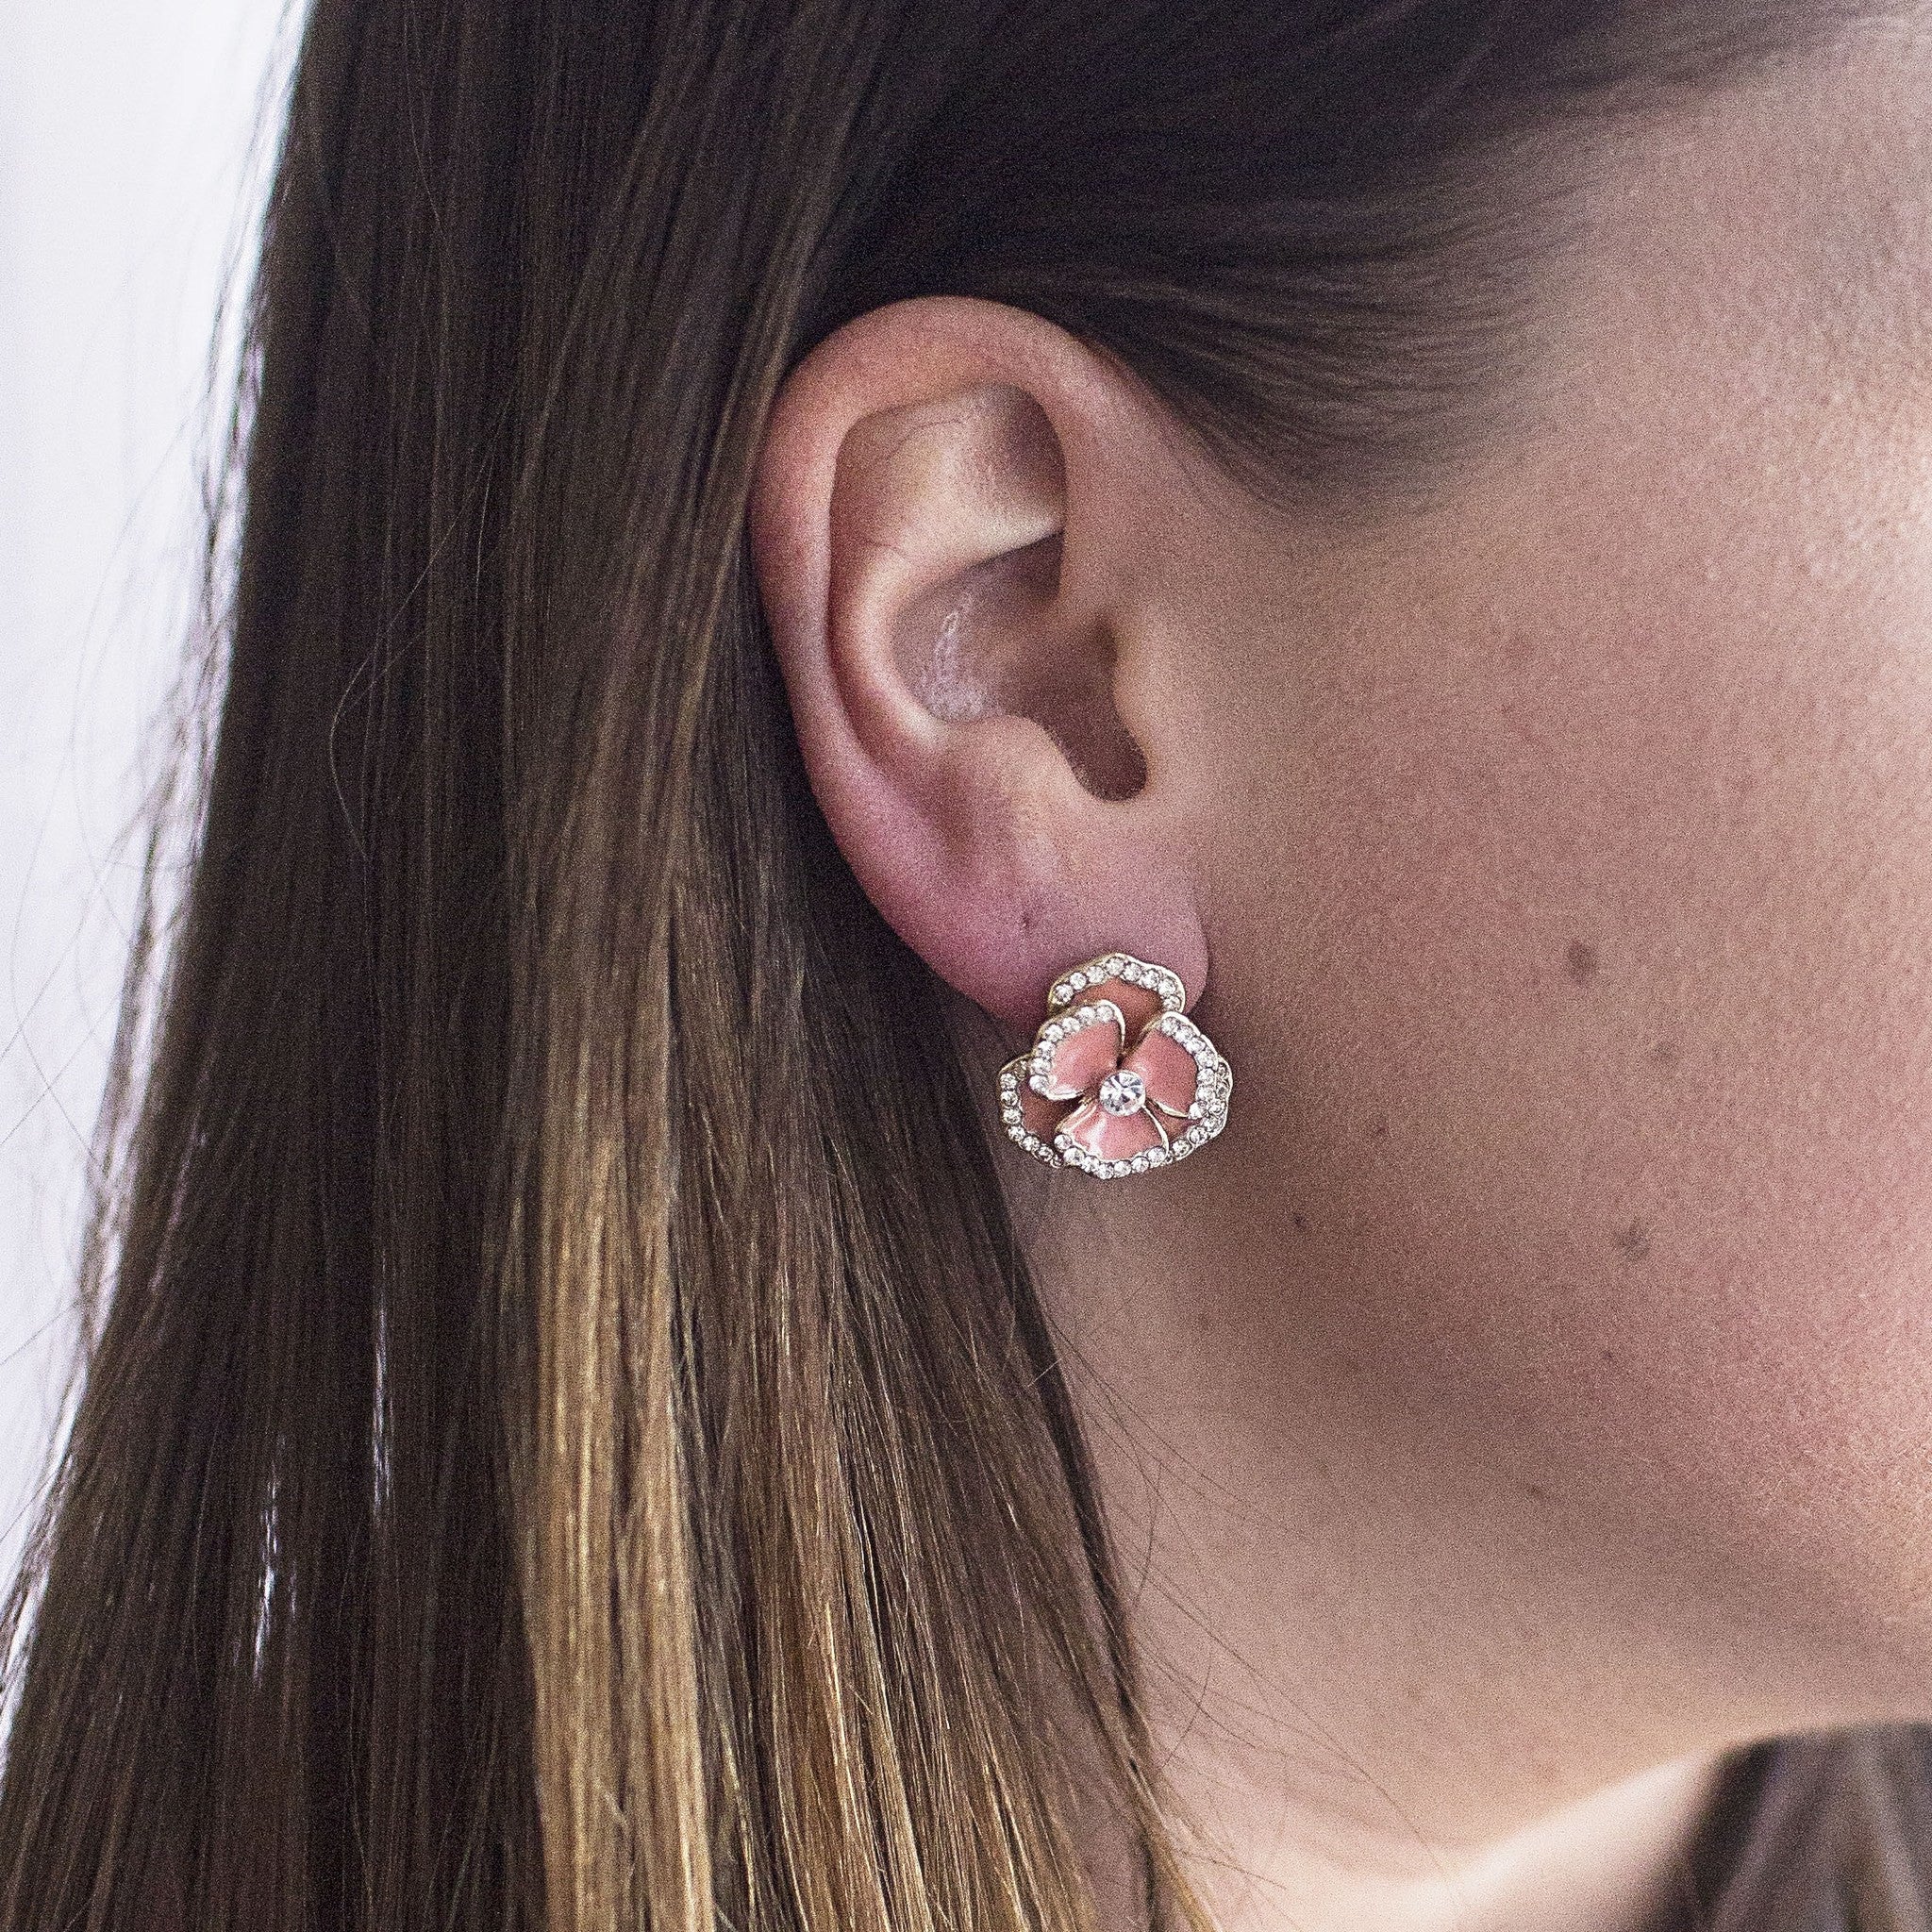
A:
(1585, 943)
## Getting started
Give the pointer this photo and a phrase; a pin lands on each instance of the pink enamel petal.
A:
(1138, 1004)
(1039, 1115)
(1113, 1135)
(1168, 1070)
(1080, 1058)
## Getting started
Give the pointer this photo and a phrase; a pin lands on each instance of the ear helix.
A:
(1118, 1081)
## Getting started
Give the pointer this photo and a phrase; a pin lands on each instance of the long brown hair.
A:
(568, 1439)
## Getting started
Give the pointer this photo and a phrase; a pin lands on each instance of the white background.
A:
(132, 138)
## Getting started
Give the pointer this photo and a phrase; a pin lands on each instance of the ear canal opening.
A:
(985, 647)
(1093, 736)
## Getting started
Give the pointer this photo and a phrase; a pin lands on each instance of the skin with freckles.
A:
(1529, 1396)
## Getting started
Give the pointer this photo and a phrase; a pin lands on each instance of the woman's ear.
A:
(950, 526)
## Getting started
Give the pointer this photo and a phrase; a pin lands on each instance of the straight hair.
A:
(568, 1439)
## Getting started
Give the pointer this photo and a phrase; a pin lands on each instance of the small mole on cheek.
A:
(1666, 1054)
(1581, 962)
(1633, 1241)
(1299, 1221)
(1378, 1127)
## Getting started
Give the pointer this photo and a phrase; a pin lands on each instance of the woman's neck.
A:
(1378, 1693)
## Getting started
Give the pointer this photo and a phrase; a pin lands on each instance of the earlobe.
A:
(950, 602)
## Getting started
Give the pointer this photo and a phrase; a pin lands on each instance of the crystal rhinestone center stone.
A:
(1123, 1090)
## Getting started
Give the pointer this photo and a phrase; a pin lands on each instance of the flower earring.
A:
(1118, 1079)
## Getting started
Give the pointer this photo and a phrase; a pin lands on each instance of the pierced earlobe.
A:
(1118, 1079)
